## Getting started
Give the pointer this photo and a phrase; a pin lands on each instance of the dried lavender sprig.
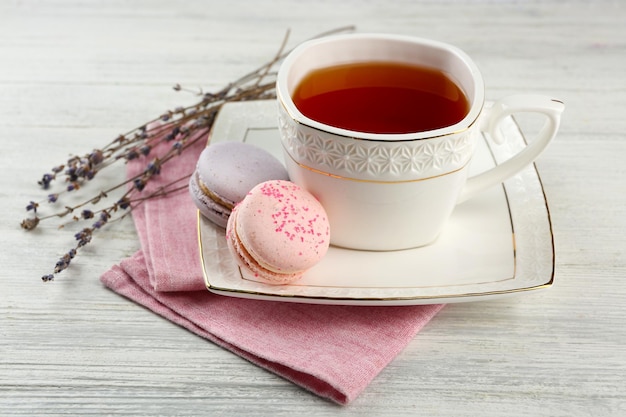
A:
(104, 217)
(203, 122)
(197, 132)
(138, 181)
(80, 170)
(175, 126)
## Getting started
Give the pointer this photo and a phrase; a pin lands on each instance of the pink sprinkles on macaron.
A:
(290, 219)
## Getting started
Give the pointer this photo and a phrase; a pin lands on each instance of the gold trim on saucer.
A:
(524, 276)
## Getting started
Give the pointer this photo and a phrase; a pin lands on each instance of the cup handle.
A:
(505, 107)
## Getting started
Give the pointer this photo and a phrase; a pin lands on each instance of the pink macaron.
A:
(278, 232)
(226, 172)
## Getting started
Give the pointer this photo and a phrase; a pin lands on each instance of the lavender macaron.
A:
(226, 172)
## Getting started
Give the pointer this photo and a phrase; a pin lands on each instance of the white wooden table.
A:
(75, 74)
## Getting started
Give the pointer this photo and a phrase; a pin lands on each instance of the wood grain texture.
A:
(75, 74)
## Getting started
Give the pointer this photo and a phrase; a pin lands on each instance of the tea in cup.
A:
(382, 128)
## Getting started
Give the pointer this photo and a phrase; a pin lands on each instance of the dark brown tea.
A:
(381, 97)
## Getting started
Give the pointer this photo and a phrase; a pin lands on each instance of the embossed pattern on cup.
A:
(384, 161)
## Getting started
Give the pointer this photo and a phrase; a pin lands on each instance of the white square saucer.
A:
(499, 243)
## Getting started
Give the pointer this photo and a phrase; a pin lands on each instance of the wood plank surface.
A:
(75, 74)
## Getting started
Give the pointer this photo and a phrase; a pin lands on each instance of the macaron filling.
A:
(210, 209)
(227, 204)
(248, 261)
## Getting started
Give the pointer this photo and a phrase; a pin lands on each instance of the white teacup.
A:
(396, 191)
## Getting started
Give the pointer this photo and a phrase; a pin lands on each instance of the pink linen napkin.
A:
(333, 351)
